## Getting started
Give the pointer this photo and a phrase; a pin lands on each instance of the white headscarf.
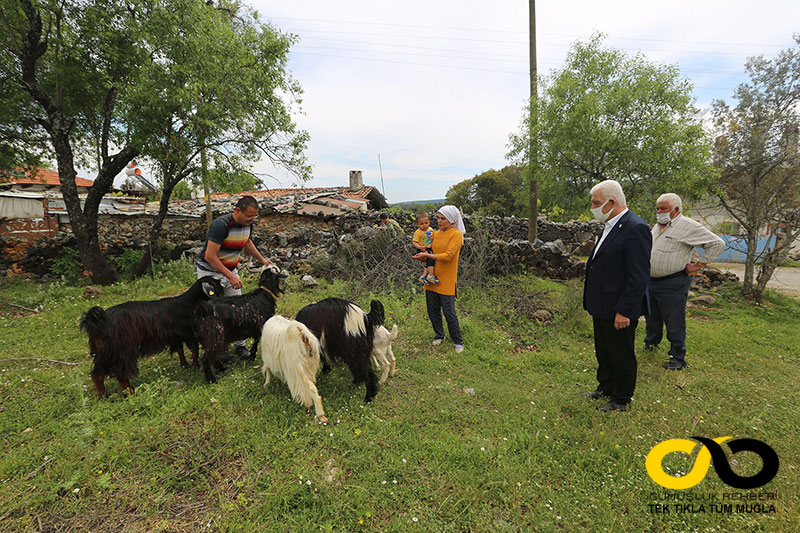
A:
(452, 214)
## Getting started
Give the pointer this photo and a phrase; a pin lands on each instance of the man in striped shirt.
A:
(674, 240)
(228, 235)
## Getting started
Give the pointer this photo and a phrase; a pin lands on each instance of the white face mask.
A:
(598, 212)
(663, 218)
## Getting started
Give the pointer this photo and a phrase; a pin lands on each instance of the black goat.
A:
(224, 320)
(345, 332)
(121, 334)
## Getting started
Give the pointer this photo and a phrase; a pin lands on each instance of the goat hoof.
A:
(324, 420)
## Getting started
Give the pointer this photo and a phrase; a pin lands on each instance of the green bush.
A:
(126, 262)
(67, 265)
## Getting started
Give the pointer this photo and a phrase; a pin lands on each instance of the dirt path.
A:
(784, 280)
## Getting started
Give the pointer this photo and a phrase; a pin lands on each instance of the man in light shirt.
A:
(674, 240)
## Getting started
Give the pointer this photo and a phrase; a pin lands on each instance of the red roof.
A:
(273, 193)
(43, 177)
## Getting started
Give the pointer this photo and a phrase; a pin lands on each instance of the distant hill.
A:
(437, 203)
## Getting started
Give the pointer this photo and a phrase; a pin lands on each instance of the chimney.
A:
(356, 181)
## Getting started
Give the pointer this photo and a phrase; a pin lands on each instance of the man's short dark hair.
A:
(384, 216)
(246, 202)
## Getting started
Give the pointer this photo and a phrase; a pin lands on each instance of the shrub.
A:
(126, 261)
(380, 261)
(67, 265)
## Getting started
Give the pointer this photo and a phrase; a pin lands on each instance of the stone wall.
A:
(293, 240)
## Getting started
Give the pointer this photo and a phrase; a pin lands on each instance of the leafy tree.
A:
(182, 191)
(232, 182)
(223, 89)
(90, 77)
(67, 65)
(219, 181)
(757, 156)
(606, 115)
(494, 192)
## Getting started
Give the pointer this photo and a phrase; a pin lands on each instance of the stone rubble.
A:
(294, 239)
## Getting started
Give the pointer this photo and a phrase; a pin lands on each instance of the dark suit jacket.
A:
(617, 277)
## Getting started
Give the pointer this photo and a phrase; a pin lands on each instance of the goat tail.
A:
(376, 315)
(393, 333)
(301, 370)
(311, 343)
(94, 322)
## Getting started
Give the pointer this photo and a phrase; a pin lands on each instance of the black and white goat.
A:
(121, 334)
(231, 318)
(346, 332)
(291, 352)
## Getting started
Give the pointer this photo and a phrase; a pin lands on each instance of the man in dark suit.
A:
(614, 293)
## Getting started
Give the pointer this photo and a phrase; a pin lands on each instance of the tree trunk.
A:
(749, 266)
(155, 231)
(83, 227)
(768, 265)
(58, 125)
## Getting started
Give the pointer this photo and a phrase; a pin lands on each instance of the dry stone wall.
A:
(294, 240)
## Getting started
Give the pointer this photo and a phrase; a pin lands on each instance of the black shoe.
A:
(243, 353)
(595, 394)
(613, 406)
(674, 364)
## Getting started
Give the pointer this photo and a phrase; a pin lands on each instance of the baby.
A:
(422, 241)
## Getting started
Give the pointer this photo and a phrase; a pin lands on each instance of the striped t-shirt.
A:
(231, 237)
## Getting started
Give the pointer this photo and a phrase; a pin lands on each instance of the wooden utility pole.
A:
(533, 193)
(206, 191)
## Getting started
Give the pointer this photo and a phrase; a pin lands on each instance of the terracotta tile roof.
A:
(43, 177)
(273, 193)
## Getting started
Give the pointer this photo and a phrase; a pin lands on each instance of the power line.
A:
(477, 54)
(416, 63)
(496, 41)
(375, 43)
(475, 58)
(521, 32)
(411, 63)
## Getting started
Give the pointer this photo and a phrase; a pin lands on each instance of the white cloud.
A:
(436, 88)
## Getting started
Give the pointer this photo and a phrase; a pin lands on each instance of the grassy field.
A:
(498, 438)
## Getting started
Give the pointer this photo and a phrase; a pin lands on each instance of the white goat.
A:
(382, 356)
(291, 352)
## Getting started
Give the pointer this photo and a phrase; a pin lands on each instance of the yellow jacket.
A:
(446, 247)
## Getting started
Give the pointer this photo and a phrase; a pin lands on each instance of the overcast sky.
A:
(436, 87)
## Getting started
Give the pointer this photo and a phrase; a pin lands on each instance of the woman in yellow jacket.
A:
(441, 298)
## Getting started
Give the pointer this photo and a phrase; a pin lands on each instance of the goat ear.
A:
(209, 290)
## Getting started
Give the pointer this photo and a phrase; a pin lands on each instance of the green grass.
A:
(495, 439)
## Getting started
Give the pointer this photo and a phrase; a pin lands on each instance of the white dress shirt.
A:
(607, 229)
